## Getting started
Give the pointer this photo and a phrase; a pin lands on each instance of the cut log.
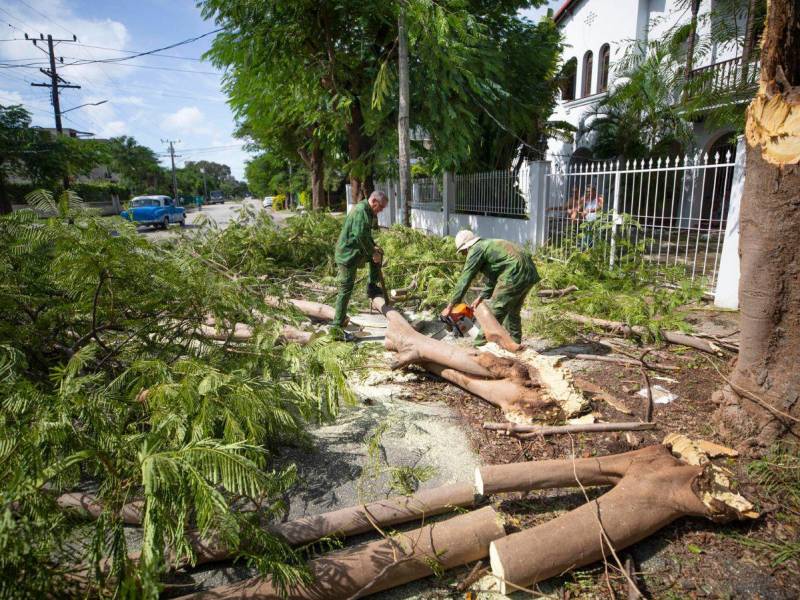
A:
(88, 506)
(381, 565)
(356, 519)
(557, 293)
(314, 310)
(243, 332)
(652, 489)
(529, 431)
(589, 386)
(414, 347)
(547, 474)
(672, 337)
(350, 521)
(493, 330)
(520, 400)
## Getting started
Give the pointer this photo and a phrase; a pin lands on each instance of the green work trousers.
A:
(345, 280)
(506, 306)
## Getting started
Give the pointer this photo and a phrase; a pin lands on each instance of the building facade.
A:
(598, 32)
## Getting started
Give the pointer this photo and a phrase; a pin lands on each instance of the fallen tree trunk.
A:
(314, 310)
(652, 489)
(345, 522)
(557, 293)
(243, 332)
(414, 347)
(505, 382)
(672, 337)
(493, 331)
(529, 431)
(519, 400)
(380, 565)
(88, 506)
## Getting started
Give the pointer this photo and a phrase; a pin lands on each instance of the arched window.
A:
(603, 65)
(568, 74)
(586, 87)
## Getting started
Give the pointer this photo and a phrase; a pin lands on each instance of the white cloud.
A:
(113, 129)
(9, 98)
(183, 119)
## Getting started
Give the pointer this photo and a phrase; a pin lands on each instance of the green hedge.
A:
(89, 192)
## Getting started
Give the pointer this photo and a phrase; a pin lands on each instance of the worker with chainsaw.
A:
(355, 248)
(509, 273)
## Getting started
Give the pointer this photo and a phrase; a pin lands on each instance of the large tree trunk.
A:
(762, 399)
(652, 488)
(359, 145)
(690, 42)
(383, 564)
(317, 169)
(404, 151)
(5, 201)
(509, 384)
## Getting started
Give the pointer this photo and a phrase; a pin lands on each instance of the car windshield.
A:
(145, 202)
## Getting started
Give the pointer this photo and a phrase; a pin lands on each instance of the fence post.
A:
(615, 217)
(448, 200)
(537, 199)
(726, 294)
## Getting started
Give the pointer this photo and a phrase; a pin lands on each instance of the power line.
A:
(154, 51)
(154, 68)
(41, 14)
(138, 52)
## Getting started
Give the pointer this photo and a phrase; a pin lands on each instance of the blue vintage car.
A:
(158, 211)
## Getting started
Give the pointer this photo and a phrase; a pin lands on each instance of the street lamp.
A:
(82, 105)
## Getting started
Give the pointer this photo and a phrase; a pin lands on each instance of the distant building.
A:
(596, 32)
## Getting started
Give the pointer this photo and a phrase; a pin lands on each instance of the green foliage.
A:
(305, 199)
(105, 385)
(89, 192)
(279, 202)
(778, 477)
(430, 261)
(630, 292)
(137, 165)
(307, 75)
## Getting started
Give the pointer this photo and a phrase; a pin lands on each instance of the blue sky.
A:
(146, 101)
(151, 98)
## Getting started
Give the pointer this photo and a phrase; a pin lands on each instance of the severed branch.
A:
(557, 293)
(529, 431)
(671, 337)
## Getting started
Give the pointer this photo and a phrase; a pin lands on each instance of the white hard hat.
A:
(465, 239)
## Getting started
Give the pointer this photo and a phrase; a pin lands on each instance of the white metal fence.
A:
(494, 193)
(670, 211)
(427, 193)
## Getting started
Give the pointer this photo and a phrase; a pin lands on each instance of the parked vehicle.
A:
(216, 197)
(158, 211)
(267, 202)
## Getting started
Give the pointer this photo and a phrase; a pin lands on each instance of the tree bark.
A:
(315, 163)
(359, 146)
(404, 151)
(762, 399)
(690, 42)
(5, 202)
(652, 488)
(509, 384)
(381, 565)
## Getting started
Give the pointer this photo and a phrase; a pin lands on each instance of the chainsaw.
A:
(460, 320)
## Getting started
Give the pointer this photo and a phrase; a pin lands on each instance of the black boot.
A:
(374, 290)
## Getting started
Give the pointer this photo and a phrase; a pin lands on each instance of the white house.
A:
(596, 32)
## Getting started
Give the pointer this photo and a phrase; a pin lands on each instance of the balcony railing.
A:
(726, 76)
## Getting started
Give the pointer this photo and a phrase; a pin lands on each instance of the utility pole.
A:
(172, 157)
(56, 82)
(404, 151)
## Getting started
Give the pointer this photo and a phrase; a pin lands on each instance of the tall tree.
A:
(136, 164)
(762, 399)
(404, 146)
(18, 148)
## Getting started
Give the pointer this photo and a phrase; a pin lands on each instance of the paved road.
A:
(221, 214)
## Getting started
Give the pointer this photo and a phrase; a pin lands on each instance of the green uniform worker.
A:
(509, 272)
(354, 249)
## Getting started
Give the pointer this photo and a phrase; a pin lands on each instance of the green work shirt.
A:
(355, 243)
(497, 260)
